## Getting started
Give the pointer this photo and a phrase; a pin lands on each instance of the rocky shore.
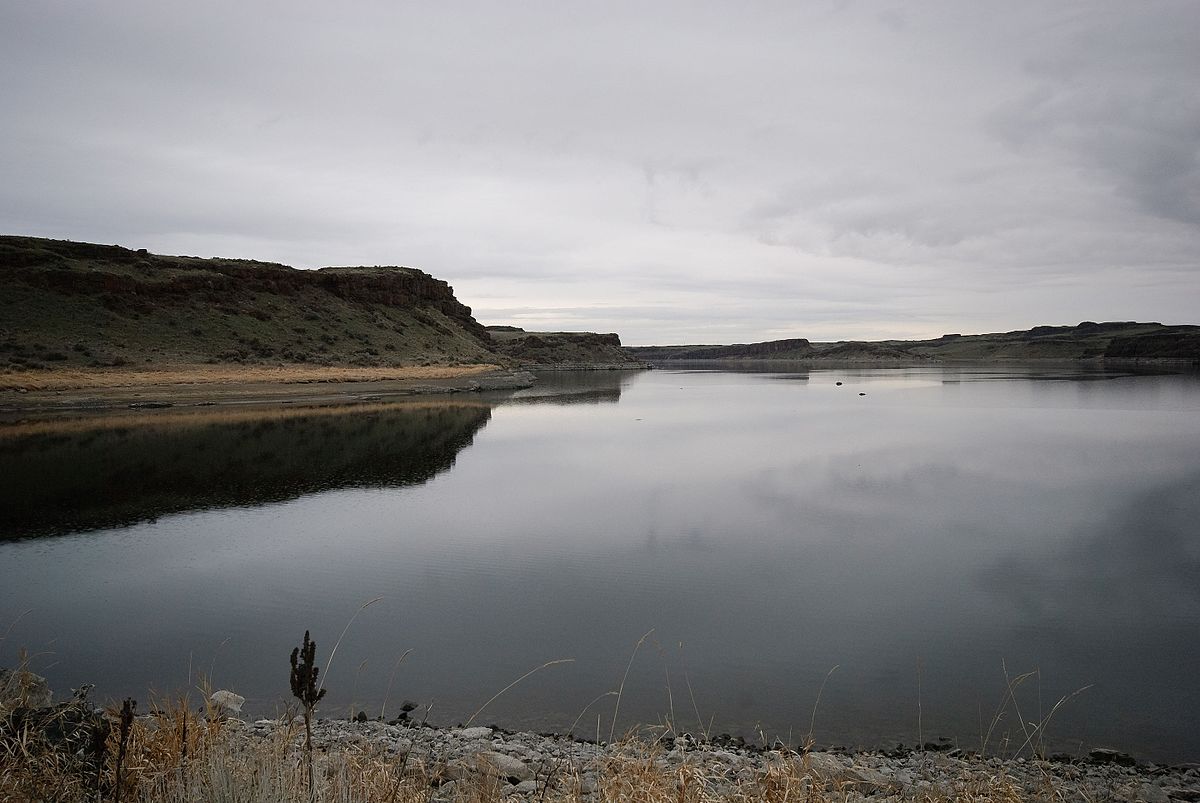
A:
(525, 765)
(153, 393)
(73, 750)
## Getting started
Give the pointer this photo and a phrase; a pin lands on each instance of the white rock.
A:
(503, 766)
(226, 701)
(525, 788)
(475, 733)
(725, 757)
(867, 779)
(1153, 794)
(22, 688)
(824, 765)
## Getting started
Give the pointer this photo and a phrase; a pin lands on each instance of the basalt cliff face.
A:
(1114, 341)
(571, 350)
(1110, 341)
(137, 277)
(1176, 345)
(792, 349)
(66, 303)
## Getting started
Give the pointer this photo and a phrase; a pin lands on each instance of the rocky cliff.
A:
(66, 303)
(561, 349)
(1174, 345)
(1110, 341)
(792, 349)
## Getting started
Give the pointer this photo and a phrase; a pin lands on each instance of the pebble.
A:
(1148, 793)
(471, 734)
(525, 788)
(523, 761)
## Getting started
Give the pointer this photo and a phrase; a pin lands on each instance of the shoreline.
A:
(220, 386)
(903, 773)
(205, 385)
(425, 763)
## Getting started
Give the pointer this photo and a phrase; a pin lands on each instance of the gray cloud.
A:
(1112, 101)
(714, 173)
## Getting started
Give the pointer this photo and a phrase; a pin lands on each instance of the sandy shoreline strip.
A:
(92, 379)
(208, 385)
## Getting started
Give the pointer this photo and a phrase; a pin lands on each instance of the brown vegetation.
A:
(82, 378)
(175, 755)
(66, 305)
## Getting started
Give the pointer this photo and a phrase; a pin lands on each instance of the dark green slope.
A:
(83, 305)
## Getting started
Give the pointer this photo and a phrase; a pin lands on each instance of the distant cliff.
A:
(1111, 341)
(1108, 341)
(84, 305)
(1175, 345)
(792, 349)
(795, 349)
(561, 349)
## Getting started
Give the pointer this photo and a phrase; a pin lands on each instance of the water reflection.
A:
(574, 387)
(90, 472)
(94, 472)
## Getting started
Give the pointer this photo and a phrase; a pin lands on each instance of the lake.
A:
(870, 569)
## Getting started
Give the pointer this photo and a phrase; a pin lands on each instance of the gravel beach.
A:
(528, 765)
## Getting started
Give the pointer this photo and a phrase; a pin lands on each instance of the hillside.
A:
(1112, 341)
(795, 349)
(561, 349)
(68, 309)
(78, 307)
(68, 304)
(792, 349)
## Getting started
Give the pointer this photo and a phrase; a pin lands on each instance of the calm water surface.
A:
(947, 528)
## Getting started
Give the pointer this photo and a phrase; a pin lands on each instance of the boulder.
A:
(824, 765)
(226, 702)
(1106, 755)
(475, 733)
(501, 766)
(20, 688)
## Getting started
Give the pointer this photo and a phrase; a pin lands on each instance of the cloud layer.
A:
(676, 172)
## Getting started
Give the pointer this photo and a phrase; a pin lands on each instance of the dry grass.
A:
(183, 754)
(100, 378)
(176, 755)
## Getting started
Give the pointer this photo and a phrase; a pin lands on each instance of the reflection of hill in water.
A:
(90, 473)
(574, 387)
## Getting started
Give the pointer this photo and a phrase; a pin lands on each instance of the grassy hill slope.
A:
(66, 304)
(561, 349)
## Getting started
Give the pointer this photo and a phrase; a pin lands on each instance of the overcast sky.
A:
(672, 171)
